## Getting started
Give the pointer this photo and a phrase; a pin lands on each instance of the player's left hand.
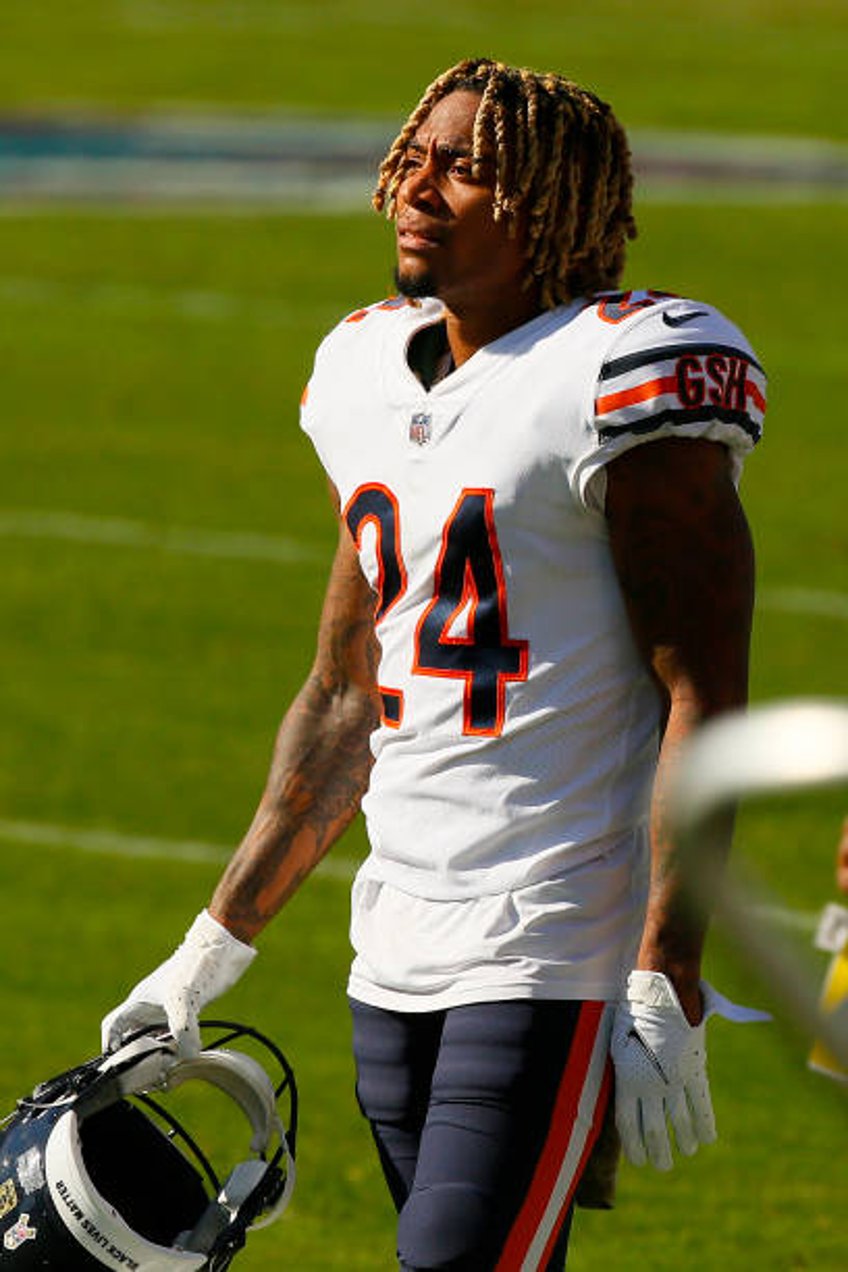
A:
(661, 1069)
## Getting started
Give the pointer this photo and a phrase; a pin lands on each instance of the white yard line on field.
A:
(339, 869)
(73, 527)
(804, 600)
(788, 919)
(110, 843)
(204, 305)
(238, 545)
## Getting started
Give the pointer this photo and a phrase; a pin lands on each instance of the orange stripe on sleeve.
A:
(641, 393)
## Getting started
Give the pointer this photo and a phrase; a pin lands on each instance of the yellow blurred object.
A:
(834, 995)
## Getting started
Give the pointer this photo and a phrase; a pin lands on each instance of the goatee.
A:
(415, 286)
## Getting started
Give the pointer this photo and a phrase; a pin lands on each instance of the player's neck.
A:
(472, 327)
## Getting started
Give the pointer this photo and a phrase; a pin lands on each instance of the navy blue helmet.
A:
(96, 1171)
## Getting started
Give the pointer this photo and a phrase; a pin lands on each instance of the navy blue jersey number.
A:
(464, 631)
(377, 505)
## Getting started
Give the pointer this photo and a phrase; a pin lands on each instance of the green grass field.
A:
(165, 534)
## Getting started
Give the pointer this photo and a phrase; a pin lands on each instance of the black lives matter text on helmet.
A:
(97, 1171)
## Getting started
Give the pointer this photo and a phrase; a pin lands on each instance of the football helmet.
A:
(95, 1172)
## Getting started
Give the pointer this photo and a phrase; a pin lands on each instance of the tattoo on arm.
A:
(321, 764)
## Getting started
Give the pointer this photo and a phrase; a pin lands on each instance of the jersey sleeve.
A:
(353, 344)
(318, 407)
(678, 368)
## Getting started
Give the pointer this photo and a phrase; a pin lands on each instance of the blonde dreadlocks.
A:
(561, 159)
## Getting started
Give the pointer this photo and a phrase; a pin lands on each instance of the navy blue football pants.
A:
(484, 1117)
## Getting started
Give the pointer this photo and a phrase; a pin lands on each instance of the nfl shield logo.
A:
(419, 428)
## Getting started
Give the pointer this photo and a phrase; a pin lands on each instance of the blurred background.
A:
(183, 213)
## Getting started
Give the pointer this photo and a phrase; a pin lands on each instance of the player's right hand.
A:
(209, 960)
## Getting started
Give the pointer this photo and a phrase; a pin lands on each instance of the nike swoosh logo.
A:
(649, 1052)
(680, 320)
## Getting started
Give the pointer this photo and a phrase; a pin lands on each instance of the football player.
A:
(543, 585)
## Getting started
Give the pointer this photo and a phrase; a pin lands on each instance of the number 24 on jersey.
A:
(468, 581)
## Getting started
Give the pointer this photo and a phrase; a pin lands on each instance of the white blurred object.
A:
(778, 748)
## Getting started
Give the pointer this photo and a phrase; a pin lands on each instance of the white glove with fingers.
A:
(209, 960)
(661, 1068)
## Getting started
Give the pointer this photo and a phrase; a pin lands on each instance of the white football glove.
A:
(661, 1068)
(207, 963)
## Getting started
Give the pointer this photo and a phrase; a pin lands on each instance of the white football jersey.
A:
(519, 735)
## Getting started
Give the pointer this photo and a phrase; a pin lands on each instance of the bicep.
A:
(684, 559)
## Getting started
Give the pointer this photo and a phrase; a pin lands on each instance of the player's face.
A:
(448, 243)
